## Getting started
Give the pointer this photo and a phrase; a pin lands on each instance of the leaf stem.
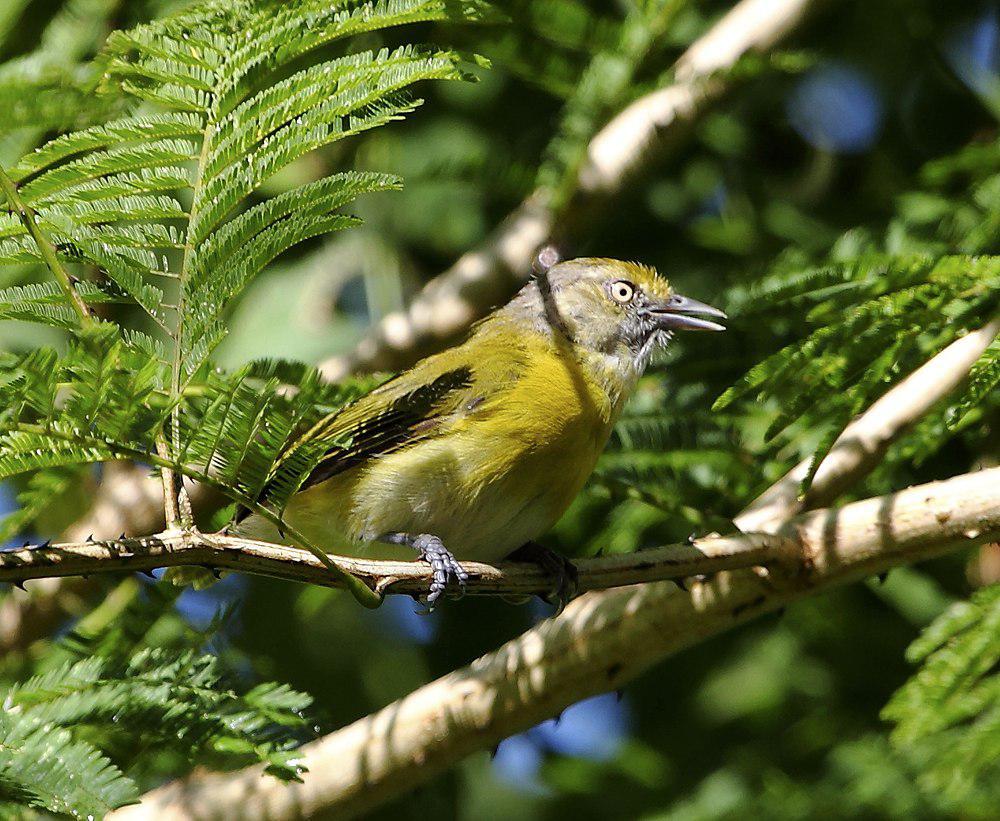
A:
(171, 509)
(45, 247)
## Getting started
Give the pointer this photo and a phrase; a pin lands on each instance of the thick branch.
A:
(619, 148)
(487, 276)
(172, 549)
(863, 443)
(623, 631)
(601, 641)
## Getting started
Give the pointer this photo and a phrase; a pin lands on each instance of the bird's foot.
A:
(443, 564)
(556, 565)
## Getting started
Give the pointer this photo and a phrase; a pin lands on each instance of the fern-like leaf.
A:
(225, 95)
(948, 714)
(41, 765)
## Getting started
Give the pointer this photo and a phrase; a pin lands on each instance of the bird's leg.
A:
(432, 551)
(556, 565)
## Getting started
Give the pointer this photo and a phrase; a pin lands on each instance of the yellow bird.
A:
(477, 451)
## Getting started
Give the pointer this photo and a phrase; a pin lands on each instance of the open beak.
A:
(681, 313)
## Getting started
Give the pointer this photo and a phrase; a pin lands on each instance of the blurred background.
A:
(844, 135)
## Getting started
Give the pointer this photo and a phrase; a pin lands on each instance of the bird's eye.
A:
(622, 291)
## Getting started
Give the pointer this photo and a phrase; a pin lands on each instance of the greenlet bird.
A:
(476, 451)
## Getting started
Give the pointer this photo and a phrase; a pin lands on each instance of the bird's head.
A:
(618, 308)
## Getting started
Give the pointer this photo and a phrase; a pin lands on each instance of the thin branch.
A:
(128, 500)
(601, 641)
(362, 593)
(171, 486)
(487, 276)
(45, 247)
(172, 549)
(863, 443)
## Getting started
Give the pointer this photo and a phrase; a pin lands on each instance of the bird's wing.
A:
(411, 407)
(404, 410)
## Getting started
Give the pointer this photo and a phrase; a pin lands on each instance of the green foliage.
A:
(171, 194)
(50, 87)
(72, 732)
(42, 766)
(42, 489)
(947, 716)
(244, 429)
(231, 107)
(156, 202)
(939, 762)
(160, 204)
(175, 701)
(681, 467)
(878, 312)
(549, 43)
(606, 84)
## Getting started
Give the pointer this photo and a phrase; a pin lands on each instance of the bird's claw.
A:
(443, 564)
(557, 566)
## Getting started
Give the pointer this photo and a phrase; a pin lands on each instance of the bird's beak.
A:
(679, 313)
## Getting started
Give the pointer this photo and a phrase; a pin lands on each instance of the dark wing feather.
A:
(377, 423)
(369, 432)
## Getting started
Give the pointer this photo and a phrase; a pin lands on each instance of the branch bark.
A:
(622, 146)
(863, 443)
(174, 549)
(601, 641)
(504, 692)
(128, 500)
(487, 276)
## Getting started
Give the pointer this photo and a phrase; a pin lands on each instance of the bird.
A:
(475, 452)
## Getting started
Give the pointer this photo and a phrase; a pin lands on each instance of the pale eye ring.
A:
(622, 291)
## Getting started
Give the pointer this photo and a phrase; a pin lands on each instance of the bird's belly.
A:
(483, 501)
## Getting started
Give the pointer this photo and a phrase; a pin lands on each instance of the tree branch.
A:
(500, 694)
(487, 276)
(621, 147)
(601, 641)
(128, 500)
(863, 443)
(173, 549)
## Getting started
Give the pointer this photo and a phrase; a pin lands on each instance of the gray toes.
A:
(443, 564)
(562, 570)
